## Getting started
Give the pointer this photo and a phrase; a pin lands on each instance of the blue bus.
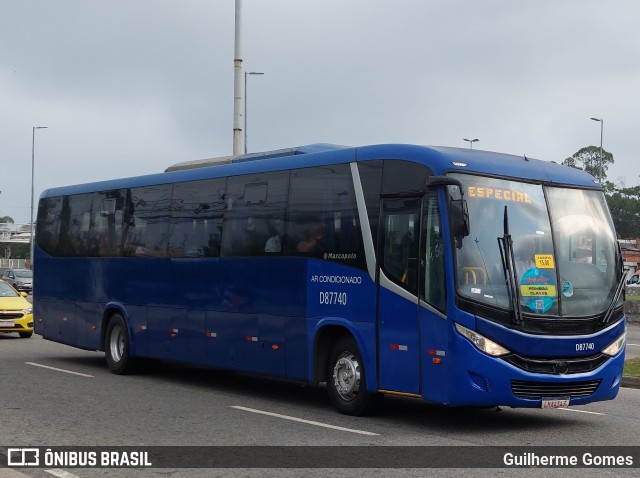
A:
(457, 276)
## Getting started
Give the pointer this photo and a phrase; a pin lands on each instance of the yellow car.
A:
(16, 313)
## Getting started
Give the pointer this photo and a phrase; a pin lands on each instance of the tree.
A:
(588, 159)
(6, 219)
(624, 205)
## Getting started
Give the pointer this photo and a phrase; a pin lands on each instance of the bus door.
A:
(398, 305)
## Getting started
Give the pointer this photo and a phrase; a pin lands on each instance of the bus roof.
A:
(441, 160)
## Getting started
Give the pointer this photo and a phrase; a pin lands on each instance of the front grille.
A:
(560, 366)
(10, 315)
(538, 390)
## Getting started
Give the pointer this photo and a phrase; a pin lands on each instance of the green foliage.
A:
(6, 219)
(624, 205)
(588, 159)
(18, 251)
(632, 368)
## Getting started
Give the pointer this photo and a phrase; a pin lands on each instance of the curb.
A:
(630, 382)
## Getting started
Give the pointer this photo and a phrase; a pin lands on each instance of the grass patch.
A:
(632, 297)
(632, 368)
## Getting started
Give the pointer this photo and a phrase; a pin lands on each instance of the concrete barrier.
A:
(632, 309)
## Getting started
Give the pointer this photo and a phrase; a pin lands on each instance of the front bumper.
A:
(22, 324)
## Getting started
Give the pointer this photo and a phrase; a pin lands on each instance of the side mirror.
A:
(24, 294)
(459, 214)
(458, 209)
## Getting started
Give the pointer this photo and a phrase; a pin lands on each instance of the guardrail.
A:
(12, 263)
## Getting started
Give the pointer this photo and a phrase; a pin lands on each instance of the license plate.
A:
(559, 402)
(6, 324)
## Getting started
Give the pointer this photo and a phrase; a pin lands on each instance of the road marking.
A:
(59, 369)
(581, 411)
(308, 422)
(634, 345)
(61, 473)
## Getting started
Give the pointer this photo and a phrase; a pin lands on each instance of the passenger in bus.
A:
(313, 245)
(274, 243)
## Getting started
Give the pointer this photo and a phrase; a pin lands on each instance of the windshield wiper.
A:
(509, 267)
(616, 296)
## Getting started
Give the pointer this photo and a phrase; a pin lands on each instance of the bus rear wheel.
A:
(117, 346)
(346, 381)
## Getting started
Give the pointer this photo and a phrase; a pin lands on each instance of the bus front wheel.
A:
(346, 382)
(117, 346)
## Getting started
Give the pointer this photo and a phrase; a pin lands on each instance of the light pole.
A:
(471, 141)
(245, 104)
(600, 169)
(33, 161)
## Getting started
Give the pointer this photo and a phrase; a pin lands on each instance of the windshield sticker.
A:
(544, 261)
(567, 289)
(538, 289)
(497, 193)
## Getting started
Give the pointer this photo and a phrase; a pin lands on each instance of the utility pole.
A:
(238, 78)
(33, 162)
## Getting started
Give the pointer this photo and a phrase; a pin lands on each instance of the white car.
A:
(20, 279)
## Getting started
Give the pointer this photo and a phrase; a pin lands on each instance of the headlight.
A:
(486, 345)
(27, 311)
(616, 346)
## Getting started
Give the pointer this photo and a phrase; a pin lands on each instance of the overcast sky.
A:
(128, 87)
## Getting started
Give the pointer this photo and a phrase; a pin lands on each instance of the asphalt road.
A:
(54, 395)
(633, 341)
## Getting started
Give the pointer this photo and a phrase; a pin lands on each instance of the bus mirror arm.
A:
(459, 212)
(435, 181)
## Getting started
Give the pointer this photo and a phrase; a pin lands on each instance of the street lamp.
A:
(33, 160)
(245, 104)
(600, 170)
(471, 141)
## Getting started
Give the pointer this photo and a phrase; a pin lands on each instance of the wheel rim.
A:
(346, 376)
(116, 343)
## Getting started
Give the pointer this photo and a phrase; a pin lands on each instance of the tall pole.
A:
(238, 138)
(471, 141)
(33, 162)
(245, 104)
(601, 168)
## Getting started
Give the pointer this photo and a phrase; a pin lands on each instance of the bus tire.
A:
(117, 346)
(346, 381)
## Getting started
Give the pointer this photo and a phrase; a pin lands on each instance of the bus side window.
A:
(148, 230)
(322, 218)
(434, 285)
(399, 241)
(254, 203)
(196, 218)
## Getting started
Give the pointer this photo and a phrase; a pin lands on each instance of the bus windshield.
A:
(564, 248)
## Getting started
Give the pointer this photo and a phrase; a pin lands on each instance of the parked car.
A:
(20, 279)
(16, 314)
(634, 280)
